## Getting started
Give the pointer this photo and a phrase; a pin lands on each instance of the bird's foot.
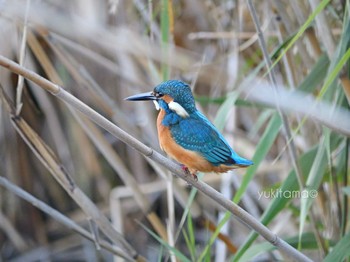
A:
(195, 177)
(188, 172)
(185, 169)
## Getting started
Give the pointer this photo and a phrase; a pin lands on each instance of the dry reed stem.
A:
(59, 217)
(98, 139)
(50, 161)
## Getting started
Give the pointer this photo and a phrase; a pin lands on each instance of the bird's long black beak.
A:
(142, 97)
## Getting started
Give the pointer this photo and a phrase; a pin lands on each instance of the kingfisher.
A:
(186, 135)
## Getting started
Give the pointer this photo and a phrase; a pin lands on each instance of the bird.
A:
(186, 135)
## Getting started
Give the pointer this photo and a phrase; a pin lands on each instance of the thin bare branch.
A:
(233, 208)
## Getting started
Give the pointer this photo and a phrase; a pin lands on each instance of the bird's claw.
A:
(195, 177)
(185, 169)
(188, 172)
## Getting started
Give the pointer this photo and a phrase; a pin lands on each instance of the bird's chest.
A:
(163, 127)
(172, 129)
(167, 121)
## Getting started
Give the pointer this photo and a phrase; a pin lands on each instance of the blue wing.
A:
(196, 133)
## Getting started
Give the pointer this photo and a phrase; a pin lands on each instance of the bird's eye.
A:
(158, 95)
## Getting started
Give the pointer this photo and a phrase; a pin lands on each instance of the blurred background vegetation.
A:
(296, 128)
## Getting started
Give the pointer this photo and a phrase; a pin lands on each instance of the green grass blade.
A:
(277, 204)
(191, 234)
(341, 56)
(308, 241)
(313, 181)
(176, 252)
(189, 245)
(262, 149)
(206, 250)
(318, 170)
(334, 73)
(160, 254)
(221, 115)
(190, 200)
(341, 250)
(264, 116)
(302, 29)
(316, 76)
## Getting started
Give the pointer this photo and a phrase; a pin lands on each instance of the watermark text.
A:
(279, 193)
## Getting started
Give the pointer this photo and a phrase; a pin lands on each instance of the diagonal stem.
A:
(60, 217)
(237, 211)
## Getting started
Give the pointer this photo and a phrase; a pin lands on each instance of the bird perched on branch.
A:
(186, 135)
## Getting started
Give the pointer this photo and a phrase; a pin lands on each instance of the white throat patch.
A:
(178, 109)
(156, 105)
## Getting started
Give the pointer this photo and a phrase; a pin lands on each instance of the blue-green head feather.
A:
(179, 91)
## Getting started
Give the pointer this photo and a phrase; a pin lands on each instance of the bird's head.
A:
(173, 94)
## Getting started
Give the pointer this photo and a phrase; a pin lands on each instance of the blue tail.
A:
(241, 161)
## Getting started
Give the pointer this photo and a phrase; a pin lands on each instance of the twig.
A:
(60, 217)
(237, 211)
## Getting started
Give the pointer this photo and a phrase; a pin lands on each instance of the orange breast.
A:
(191, 159)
